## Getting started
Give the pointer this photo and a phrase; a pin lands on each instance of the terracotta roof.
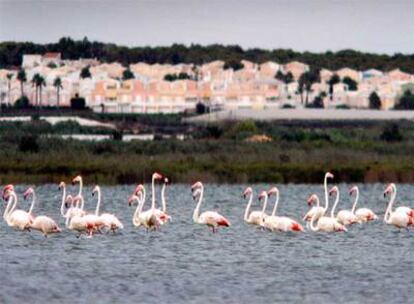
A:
(51, 55)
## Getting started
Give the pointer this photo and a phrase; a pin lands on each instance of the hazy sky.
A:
(316, 25)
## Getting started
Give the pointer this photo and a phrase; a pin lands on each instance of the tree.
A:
(21, 76)
(352, 84)
(317, 102)
(85, 73)
(9, 77)
(35, 81)
(233, 64)
(40, 83)
(57, 83)
(333, 81)
(374, 101)
(127, 74)
(305, 83)
(406, 101)
(201, 108)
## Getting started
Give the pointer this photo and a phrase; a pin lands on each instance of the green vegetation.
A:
(174, 77)
(85, 73)
(11, 55)
(352, 84)
(127, 74)
(406, 101)
(299, 152)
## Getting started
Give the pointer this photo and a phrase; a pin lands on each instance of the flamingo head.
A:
(95, 190)
(7, 190)
(138, 189)
(334, 190)
(196, 193)
(157, 176)
(166, 181)
(131, 199)
(262, 195)
(196, 185)
(247, 192)
(390, 189)
(353, 190)
(68, 201)
(312, 199)
(329, 175)
(77, 179)
(273, 190)
(28, 192)
(61, 185)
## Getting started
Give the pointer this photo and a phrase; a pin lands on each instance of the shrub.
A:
(78, 103)
(22, 103)
(391, 133)
(374, 101)
(406, 101)
(28, 143)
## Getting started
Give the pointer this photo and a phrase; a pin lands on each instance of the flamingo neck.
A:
(98, 204)
(390, 204)
(264, 207)
(8, 207)
(153, 194)
(276, 204)
(356, 200)
(246, 212)
(196, 212)
(325, 182)
(33, 202)
(312, 223)
(80, 187)
(164, 203)
(62, 206)
(335, 204)
(138, 210)
(13, 194)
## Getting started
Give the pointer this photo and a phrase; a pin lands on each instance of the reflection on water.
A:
(186, 263)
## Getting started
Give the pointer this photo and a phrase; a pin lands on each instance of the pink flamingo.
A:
(110, 221)
(42, 223)
(363, 214)
(19, 219)
(254, 217)
(318, 210)
(210, 218)
(402, 216)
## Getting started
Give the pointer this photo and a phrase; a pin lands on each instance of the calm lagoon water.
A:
(186, 263)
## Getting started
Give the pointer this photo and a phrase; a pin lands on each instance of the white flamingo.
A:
(42, 223)
(325, 223)
(71, 210)
(164, 201)
(318, 210)
(363, 214)
(254, 217)
(18, 219)
(280, 223)
(210, 218)
(77, 222)
(400, 218)
(140, 203)
(109, 220)
(345, 217)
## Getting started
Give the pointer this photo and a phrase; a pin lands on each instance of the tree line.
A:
(11, 55)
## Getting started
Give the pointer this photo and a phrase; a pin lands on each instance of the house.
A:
(31, 60)
(399, 76)
(351, 73)
(49, 59)
(325, 75)
(296, 68)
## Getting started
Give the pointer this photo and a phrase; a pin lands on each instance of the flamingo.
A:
(325, 223)
(77, 222)
(150, 218)
(403, 209)
(401, 217)
(345, 217)
(153, 217)
(42, 223)
(18, 219)
(163, 200)
(280, 223)
(254, 217)
(318, 210)
(109, 220)
(210, 218)
(72, 210)
(363, 214)
(136, 217)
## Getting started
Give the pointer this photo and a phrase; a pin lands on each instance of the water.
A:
(186, 263)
